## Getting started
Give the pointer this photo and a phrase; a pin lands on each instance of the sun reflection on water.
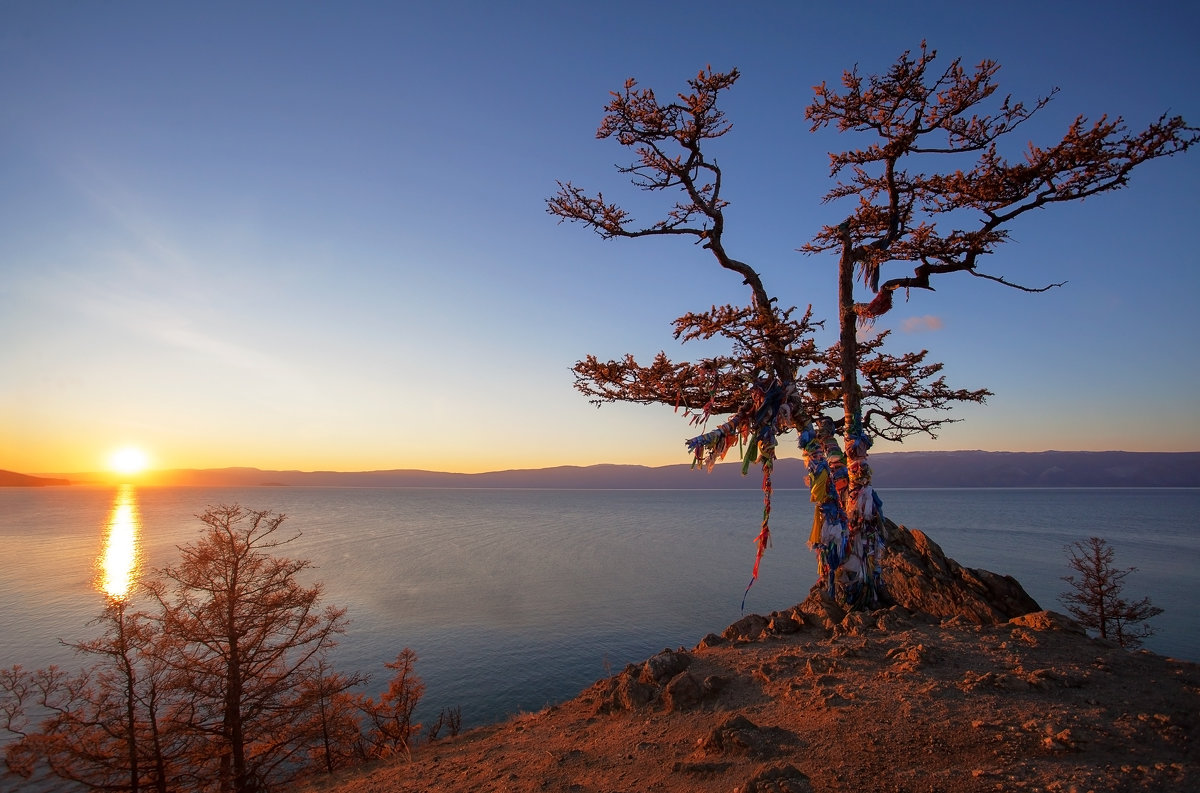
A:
(118, 565)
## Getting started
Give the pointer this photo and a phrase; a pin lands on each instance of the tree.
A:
(1095, 596)
(335, 719)
(221, 682)
(450, 718)
(913, 114)
(247, 641)
(391, 716)
(128, 673)
(103, 726)
(775, 379)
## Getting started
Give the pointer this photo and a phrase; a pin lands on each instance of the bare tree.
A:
(775, 379)
(248, 639)
(1095, 595)
(453, 719)
(435, 727)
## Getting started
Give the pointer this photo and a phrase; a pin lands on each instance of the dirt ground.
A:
(887, 701)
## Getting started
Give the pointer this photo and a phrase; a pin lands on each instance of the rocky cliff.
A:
(922, 578)
(963, 686)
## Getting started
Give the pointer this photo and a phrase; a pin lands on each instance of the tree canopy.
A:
(926, 187)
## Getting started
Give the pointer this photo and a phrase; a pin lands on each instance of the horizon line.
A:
(153, 471)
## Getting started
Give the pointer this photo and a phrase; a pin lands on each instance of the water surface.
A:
(514, 599)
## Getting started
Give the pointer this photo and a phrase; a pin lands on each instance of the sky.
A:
(313, 235)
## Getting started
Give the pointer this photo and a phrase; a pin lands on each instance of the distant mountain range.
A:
(890, 470)
(13, 479)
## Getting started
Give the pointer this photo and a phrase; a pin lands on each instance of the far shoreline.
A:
(890, 470)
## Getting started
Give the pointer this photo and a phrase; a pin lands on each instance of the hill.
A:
(1037, 469)
(891, 470)
(805, 701)
(13, 479)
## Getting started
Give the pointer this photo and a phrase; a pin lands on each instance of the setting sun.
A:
(128, 460)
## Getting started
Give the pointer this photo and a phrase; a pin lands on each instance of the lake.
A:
(515, 599)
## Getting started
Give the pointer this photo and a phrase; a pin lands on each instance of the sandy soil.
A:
(887, 701)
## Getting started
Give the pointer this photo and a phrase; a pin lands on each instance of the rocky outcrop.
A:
(920, 577)
(812, 698)
(663, 680)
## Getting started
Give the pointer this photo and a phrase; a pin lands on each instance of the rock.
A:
(778, 779)
(910, 658)
(664, 666)
(623, 692)
(738, 736)
(747, 629)
(1048, 621)
(919, 576)
(632, 693)
(701, 768)
(783, 622)
(638, 686)
(893, 618)
(735, 735)
(818, 607)
(854, 622)
(682, 692)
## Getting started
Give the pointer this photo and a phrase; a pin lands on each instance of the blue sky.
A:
(313, 235)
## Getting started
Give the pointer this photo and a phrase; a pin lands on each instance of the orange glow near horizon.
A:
(118, 564)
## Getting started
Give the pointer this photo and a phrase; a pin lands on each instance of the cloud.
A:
(921, 324)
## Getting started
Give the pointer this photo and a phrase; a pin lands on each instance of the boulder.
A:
(1048, 621)
(682, 692)
(737, 735)
(778, 779)
(747, 629)
(919, 576)
(664, 666)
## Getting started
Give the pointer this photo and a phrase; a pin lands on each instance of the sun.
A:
(128, 460)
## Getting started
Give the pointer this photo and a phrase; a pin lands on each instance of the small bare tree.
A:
(453, 719)
(450, 719)
(1095, 595)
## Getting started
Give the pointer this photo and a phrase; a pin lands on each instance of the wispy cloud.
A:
(921, 324)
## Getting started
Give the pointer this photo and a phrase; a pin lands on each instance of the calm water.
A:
(514, 599)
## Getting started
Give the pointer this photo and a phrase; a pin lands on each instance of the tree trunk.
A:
(848, 327)
(233, 727)
(130, 700)
(160, 766)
